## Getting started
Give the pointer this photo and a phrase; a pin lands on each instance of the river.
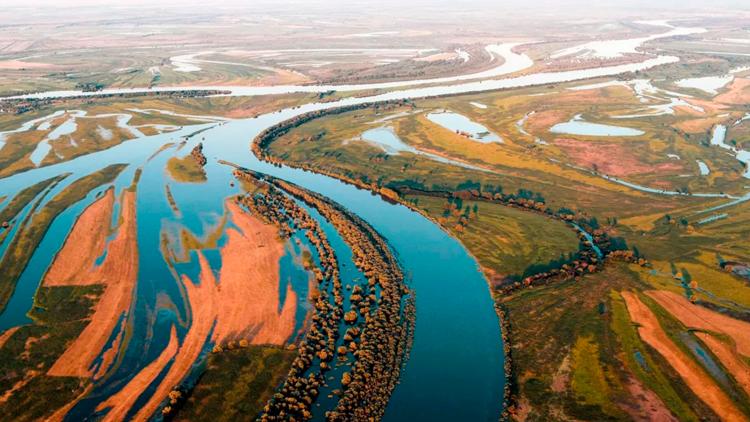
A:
(452, 372)
(455, 369)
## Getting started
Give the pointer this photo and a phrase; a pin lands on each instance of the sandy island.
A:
(75, 265)
(242, 303)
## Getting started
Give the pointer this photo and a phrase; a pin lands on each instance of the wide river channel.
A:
(455, 369)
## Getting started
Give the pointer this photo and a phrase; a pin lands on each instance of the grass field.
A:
(59, 316)
(185, 170)
(579, 355)
(506, 241)
(236, 384)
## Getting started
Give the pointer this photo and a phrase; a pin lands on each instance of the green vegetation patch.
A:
(588, 381)
(505, 240)
(577, 354)
(60, 314)
(236, 384)
(186, 170)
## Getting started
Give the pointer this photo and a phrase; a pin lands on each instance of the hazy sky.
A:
(661, 4)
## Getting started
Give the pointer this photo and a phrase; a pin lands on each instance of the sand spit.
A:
(249, 283)
(7, 334)
(242, 303)
(73, 265)
(694, 376)
(120, 403)
(118, 273)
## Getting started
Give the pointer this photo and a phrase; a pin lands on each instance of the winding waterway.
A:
(455, 368)
(452, 372)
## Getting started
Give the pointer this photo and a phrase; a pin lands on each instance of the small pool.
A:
(708, 84)
(577, 126)
(385, 138)
(462, 124)
(703, 167)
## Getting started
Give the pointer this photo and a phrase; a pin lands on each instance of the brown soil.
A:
(739, 93)
(118, 273)
(611, 158)
(543, 120)
(694, 376)
(687, 111)
(698, 317)
(646, 405)
(278, 77)
(242, 303)
(699, 125)
(18, 65)
(7, 334)
(709, 107)
(120, 403)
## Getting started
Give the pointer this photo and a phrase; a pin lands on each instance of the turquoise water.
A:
(459, 123)
(455, 369)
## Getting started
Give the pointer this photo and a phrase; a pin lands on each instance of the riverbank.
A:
(380, 312)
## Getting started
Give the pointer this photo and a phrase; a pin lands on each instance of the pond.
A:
(577, 126)
(703, 168)
(386, 139)
(708, 84)
(463, 125)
